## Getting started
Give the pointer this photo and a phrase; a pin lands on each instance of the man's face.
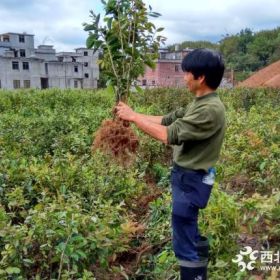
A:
(192, 84)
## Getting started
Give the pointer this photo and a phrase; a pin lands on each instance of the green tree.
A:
(128, 41)
(229, 45)
(264, 45)
(276, 53)
(246, 36)
(234, 49)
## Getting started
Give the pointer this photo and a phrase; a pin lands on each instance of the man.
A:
(196, 133)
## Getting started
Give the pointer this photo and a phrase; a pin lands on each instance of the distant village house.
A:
(24, 66)
(168, 72)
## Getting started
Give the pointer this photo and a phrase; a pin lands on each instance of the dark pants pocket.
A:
(200, 193)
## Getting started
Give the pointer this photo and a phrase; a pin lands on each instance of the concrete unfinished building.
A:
(24, 66)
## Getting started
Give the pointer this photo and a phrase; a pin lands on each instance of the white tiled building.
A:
(23, 66)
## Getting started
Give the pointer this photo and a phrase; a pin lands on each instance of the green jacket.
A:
(197, 132)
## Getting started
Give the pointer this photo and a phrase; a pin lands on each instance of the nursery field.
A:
(69, 213)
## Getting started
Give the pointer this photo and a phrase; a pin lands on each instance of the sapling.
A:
(128, 42)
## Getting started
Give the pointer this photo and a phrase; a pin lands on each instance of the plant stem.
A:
(131, 58)
(121, 39)
(62, 256)
(113, 67)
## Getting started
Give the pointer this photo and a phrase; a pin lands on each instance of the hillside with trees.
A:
(246, 51)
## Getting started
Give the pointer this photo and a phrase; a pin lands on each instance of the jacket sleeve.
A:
(173, 116)
(199, 125)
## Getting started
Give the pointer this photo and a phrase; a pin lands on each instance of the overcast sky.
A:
(59, 22)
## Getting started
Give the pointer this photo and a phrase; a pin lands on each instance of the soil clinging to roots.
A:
(117, 138)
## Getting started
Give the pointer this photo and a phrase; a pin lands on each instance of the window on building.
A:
(86, 75)
(0, 83)
(86, 64)
(22, 53)
(46, 68)
(76, 69)
(85, 53)
(176, 55)
(73, 59)
(21, 38)
(153, 82)
(15, 65)
(16, 83)
(25, 65)
(26, 83)
(144, 82)
(176, 68)
(75, 84)
(6, 38)
(60, 59)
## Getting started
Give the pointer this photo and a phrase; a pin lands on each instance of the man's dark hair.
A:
(205, 62)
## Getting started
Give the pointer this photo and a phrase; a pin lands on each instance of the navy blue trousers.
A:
(190, 192)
